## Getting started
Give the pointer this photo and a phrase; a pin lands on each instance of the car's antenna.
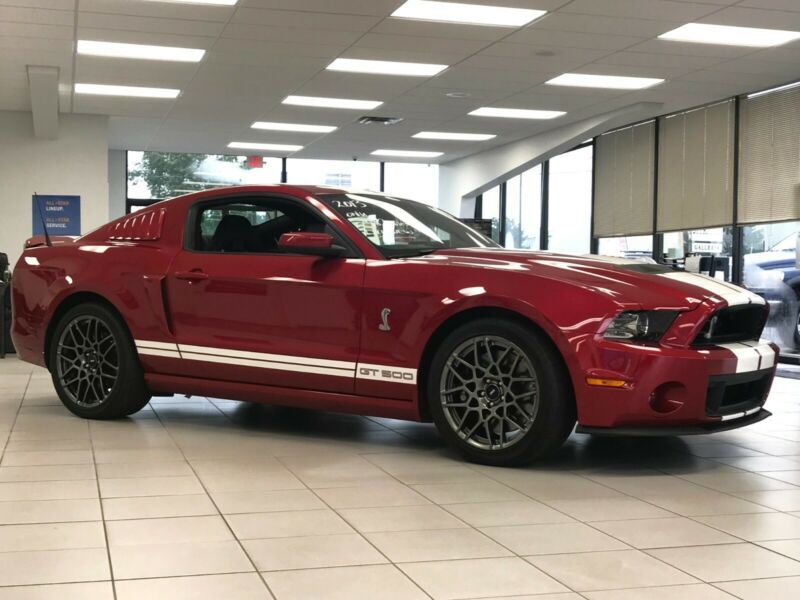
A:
(47, 239)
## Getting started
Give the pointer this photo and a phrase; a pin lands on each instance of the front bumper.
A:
(686, 390)
(702, 429)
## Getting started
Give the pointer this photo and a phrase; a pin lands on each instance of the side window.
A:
(250, 226)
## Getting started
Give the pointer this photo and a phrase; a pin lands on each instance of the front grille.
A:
(729, 394)
(739, 323)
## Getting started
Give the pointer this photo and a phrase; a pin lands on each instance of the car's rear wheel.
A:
(94, 365)
(499, 393)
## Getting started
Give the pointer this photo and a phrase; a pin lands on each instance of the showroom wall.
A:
(76, 163)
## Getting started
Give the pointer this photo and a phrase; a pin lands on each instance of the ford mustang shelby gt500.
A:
(366, 303)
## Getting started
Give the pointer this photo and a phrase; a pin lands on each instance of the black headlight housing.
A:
(640, 326)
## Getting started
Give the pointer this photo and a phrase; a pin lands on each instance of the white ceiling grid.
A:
(260, 51)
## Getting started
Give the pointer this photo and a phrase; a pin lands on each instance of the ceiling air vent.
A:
(380, 120)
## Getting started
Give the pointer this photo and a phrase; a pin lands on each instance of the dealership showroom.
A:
(399, 299)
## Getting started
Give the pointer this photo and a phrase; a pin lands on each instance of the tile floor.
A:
(207, 499)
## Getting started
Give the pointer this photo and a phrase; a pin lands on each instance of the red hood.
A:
(627, 281)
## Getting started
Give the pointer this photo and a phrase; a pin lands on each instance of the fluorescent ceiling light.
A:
(473, 14)
(208, 2)
(96, 89)
(444, 135)
(299, 127)
(332, 102)
(614, 82)
(516, 113)
(407, 153)
(142, 51)
(788, 86)
(728, 35)
(385, 67)
(258, 146)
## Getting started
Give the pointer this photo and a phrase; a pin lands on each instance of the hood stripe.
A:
(733, 295)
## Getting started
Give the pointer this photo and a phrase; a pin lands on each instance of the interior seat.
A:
(231, 235)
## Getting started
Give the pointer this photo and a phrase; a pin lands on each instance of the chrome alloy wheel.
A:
(87, 361)
(489, 392)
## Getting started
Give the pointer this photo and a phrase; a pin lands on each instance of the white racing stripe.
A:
(751, 356)
(739, 415)
(279, 362)
(732, 294)
(156, 352)
(279, 358)
(768, 355)
(156, 345)
(265, 364)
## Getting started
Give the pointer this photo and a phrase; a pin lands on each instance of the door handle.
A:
(193, 275)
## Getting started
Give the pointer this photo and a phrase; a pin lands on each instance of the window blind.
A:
(769, 157)
(624, 171)
(695, 168)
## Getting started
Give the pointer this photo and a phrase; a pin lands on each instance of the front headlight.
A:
(640, 326)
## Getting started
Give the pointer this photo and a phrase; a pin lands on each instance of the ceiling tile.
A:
(149, 24)
(159, 10)
(650, 9)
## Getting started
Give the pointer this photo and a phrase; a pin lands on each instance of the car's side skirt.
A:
(267, 394)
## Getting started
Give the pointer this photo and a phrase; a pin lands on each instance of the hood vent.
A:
(380, 120)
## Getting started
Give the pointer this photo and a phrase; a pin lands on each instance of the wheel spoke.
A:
(87, 362)
(496, 407)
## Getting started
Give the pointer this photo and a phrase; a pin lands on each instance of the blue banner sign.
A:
(61, 213)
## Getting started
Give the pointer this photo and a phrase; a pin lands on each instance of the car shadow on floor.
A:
(580, 452)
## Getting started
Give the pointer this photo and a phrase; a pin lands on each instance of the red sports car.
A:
(370, 304)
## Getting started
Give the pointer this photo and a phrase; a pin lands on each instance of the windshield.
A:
(401, 228)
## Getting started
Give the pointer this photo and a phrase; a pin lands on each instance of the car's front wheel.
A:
(499, 393)
(94, 365)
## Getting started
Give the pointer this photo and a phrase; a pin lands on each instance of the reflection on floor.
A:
(207, 499)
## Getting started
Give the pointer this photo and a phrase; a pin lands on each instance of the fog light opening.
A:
(668, 397)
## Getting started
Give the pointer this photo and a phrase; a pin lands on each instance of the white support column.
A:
(43, 84)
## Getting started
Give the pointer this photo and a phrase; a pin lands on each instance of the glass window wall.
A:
(570, 201)
(524, 210)
(771, 268)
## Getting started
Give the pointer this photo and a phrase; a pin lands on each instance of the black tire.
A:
(553, 417)
(103, 395)
(797, 328)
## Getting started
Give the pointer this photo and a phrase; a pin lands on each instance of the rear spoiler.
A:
(57, 240)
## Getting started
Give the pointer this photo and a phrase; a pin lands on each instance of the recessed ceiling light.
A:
(97, 89)
(473, 14)
(444, 135)
(211, 2)
(385, 67)
(614, 82)
(141, 51)
(516, 113)
(332, 102)
(728, 35)
(407, 153)
(258, 146)
(299, 127)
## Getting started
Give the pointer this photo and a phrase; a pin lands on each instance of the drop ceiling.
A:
(260, 51)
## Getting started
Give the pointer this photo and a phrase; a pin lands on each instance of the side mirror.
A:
(313, 244)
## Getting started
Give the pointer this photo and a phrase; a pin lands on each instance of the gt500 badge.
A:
(386, 373)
